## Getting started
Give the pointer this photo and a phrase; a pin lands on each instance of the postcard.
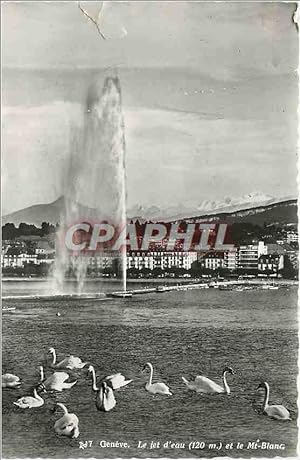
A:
(149, 229)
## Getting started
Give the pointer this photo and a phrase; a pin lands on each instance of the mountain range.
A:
(205, 208)
(284, 212)
(253, 208)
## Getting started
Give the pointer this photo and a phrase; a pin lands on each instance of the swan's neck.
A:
(63, 408)
(226, 386)
(100, 395)
(53, 357)
(266, 399)
(94, 386)
(42, 376)
(151, 374)
(37, 396)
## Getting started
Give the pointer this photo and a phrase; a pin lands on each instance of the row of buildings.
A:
(258, 257)
(18, 254)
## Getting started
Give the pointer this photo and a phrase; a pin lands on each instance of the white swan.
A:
(10, 381)
(156, 388)
(115, 381)
(27, 402)
(56, 381)
(71, 362)
(67, 425)
(105, 399)
(204, 385)
(277, 411)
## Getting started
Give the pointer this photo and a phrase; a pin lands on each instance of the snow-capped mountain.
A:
(207, 207)
(51, 212)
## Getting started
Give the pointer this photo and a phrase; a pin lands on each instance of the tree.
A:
(178, 271)
(288, 271)
(145, 271)
(28, 229)
(157, 271)
(9, 231)
(196, 269)
(107, 271)
(47, 228)
(133, 272)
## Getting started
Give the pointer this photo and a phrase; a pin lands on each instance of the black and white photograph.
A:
(149, 229)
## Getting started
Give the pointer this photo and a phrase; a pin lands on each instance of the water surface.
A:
(183, 334)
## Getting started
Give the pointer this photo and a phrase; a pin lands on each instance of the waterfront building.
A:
(276, 248)
(100, 262)
(42, 246)
(18, 258)
(160, 259)
(44, 258)
(231, 259)
(292, 237)
(248, 255)
(212, 260)
(286, 250)
(270, 263)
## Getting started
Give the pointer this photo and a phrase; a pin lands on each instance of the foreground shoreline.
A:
(161, 280)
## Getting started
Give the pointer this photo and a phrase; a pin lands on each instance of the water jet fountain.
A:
(95, 188)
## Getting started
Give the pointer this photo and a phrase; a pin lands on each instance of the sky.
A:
(209, 93)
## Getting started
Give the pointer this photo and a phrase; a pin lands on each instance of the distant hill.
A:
(283, 212)
(49, 212)
(36, 214)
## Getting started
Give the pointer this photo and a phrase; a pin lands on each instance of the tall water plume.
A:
(94, 189)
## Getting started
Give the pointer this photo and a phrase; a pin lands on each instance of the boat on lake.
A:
(161, 289)
(226, 288)
(7, 309)
(121, 295)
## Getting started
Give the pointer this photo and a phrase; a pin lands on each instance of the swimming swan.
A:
(105, 399)
(115, 381)
(67, 425)
(56, 381)
(10, 381)
(156, 388)
(277, 411)
(28, 402)
(71, 362)
(204, 385)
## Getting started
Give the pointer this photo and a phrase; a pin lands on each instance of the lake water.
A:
(182, 334)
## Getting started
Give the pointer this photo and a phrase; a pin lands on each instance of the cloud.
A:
(187, 138)
(171, 156)
(221, 37)
(35, 147)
